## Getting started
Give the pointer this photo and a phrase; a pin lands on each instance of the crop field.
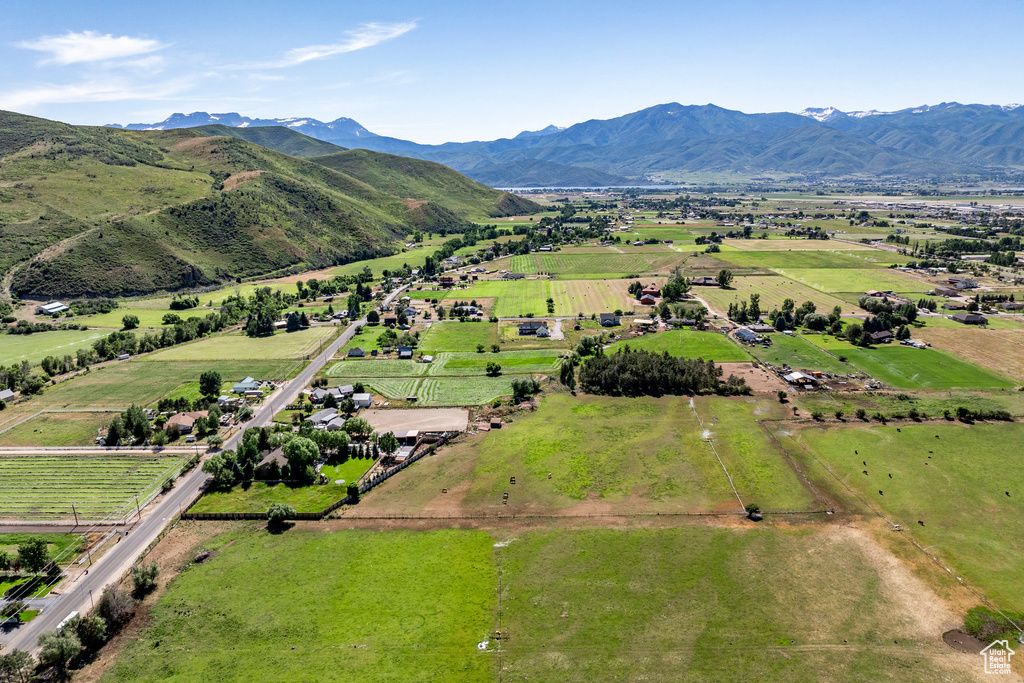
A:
(439, 391)
(345, 624)
(571, 265)
(855, 280)
(120, 385)
(688, 344)
(617, 454)
(706, 604)
(962, 482)
(15, 348)
(520, 298)
(805, 259)
(999, 351)
(300, 344)
(44, 486)
(449, 364)
(800, 354)
(773, 290)
(905, 367)
(457, 336)
(57, 429)
(788, 244)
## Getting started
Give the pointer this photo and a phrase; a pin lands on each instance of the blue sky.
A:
(457, 70)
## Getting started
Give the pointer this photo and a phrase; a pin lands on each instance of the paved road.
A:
(78, 595)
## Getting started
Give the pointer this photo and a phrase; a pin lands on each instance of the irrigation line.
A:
(715, 451)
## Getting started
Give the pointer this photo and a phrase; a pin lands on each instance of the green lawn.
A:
(314, 606)
(689, 344)
(905, 367)
(259, 496)
(57, 544)
(456, 336)
(349, 471)
(57, 429)
(15, 348)
(300, 344)
(953, 478)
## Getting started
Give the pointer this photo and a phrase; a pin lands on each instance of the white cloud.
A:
(89, 91)
(89, 46)
(360, 38)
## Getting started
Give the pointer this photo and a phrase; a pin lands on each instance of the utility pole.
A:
(91, 601)
(137, 508)
(75, 512)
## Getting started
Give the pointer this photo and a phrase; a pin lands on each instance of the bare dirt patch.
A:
(758, 379)
(422, 419)
(240, 179)
(965, 642)
(414, 203)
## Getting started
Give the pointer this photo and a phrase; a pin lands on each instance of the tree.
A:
(551, 306)
(116, 607)
(493, 369)
(524, 387)
(115, 432)
(57, 648)
(353, 494)
(479, 348)
(724, 277)
(144, 578)
(495, 348)
(33, 554)
(301, 453)
(387, 443)
(130, 321)
(13, 608)
(16, 667)
(218, 467)
(278, 514)
(91, 631)
(331, 401)
(358, 427)
(373, 317)
(210, 383)
(781, 393)
(853, 332)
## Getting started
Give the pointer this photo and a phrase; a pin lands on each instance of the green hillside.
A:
(277, 138)
(104, 211)
(420, 180)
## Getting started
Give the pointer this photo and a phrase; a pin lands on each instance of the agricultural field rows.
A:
(299, 344)
(442, 391)
(45, 486)
(773, 291)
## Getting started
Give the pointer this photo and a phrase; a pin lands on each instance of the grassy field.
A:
(999, 351)
(358, 621)
(773, 290)
(702, 604)
(800, 354)
(853, 280)
(300, 344)
(688, 344)
(439, 391)
(349, 471)
(603, 454)
(143, 383)
(456, 336)
(586, 265)
(905, 367)
(57, 429)
(57, 544)
(449, 365)
(259, 496)
(518, 298)
(576, 605)
(826, 259)
(44, 486)
(953, 478)
(15, 348)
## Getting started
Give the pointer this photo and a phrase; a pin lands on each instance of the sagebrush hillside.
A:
(90, 211)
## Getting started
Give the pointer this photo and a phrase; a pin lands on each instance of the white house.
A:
(362, 400)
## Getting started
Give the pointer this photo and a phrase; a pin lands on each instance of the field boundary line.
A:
(715, 451)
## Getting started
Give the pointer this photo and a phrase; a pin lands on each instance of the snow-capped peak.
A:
(822, 114)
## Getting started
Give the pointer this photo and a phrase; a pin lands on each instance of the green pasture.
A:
(773, 290)
(952, 477)
(905, 367)
(354, 622)
(57, 429)
(831, 259)
(257, 497)
(854, 280)
(15, 348)
(800, 354)
(299, 344)
(688, 344)
(437, 391)
(457, 336)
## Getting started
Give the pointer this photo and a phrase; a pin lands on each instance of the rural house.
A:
(609, 320)
(538, 328)
(183, 423)
(704, 281)
(362, 400)
(648, 300)
(320, 418)
(247, 384)
(513, 276)
(405, 352)
(356, 352)
(881, 337)
(969, 318)
(746, 336)
(652, 289)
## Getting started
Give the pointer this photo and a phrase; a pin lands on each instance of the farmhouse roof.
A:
(276, 455)
(6, 395)
(356, 352)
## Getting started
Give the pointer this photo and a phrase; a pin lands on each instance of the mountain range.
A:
(97, 211)
(671, 142)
